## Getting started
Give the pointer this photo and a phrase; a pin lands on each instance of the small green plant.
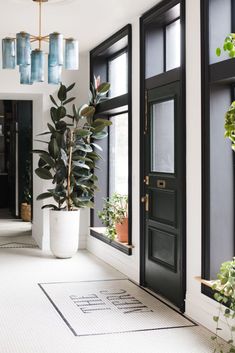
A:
(229, 46)
(115, 209)
(230, 124)
(224, 288)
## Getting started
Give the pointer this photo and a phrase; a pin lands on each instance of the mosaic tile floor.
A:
(30, 324)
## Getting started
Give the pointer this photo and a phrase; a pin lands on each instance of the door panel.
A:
(165, 194)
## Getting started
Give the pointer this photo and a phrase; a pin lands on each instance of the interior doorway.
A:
(15, 158)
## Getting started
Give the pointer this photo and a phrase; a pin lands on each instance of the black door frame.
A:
(157, 81)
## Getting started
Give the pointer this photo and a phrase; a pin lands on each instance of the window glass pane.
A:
(219, 27)
(118, 155)
(221, 182)
(118, 75)
(154, 59)
(162, 139)
(173, 45)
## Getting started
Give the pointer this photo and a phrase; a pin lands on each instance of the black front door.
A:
(164, 197)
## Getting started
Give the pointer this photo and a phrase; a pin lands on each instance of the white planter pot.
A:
(64, 233)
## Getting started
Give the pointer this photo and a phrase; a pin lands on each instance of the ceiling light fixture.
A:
(18, 51)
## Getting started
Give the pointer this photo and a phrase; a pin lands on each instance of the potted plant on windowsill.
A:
(69, 162)
(114, 216)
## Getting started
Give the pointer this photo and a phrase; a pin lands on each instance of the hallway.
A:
(14, 233)
(30, 324)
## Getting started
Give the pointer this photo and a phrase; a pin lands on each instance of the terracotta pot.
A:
(25, 212)
(122, 231)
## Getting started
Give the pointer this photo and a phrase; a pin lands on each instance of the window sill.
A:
(206, 287)
(98, 233)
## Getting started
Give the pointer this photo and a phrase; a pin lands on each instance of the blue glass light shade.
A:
(56, 53)
(25, 74)
(54, 73)
(71, 54)
(23, 48)
(37, 65)
(8, 53)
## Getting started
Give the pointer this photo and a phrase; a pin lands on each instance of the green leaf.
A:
(100, 135)
(41, 163)
(82, 132)
(53, 100)
(44, 133)
(229, 46)
(54, 148)
(61, 126)
(69, 88)
(43, 173)
(44, 196)
(51, 128)
(232, 53)
(81, 165)
(53, 112)
(218, 51)
(87, 112)
(97, 146)
(216, 318)
(39, 151)
(61, 113)
(69, 100)
(47, 158)
(103, 88)
(64, 156)
(61, 172)
(84, 147)
(62, 93)
(100, 121)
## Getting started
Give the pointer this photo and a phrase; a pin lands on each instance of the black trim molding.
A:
(100, 56)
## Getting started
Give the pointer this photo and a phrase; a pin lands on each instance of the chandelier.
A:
(31, 62)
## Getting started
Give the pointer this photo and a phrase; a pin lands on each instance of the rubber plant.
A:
(72, 149)
(224, 286)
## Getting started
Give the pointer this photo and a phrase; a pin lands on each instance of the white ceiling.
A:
(90, 21)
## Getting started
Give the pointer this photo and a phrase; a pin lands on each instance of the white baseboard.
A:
(201, 309)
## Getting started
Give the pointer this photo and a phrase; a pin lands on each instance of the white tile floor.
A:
(30, 324)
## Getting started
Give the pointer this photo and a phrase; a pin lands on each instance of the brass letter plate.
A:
(161, 184)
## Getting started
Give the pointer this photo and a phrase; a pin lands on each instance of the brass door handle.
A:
(145, 200)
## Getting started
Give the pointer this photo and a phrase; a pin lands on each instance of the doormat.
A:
(111, 306)
(25, 242)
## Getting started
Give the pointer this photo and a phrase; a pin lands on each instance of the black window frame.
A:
(100, 56)
(211, 74)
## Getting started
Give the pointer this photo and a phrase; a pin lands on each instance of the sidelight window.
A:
(111, 60)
